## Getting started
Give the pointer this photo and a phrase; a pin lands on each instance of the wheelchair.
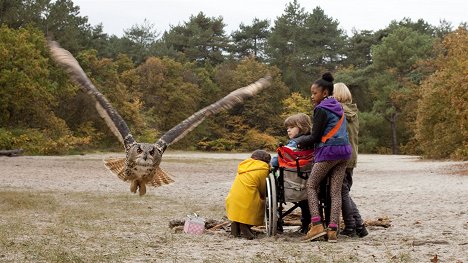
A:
(288, 184)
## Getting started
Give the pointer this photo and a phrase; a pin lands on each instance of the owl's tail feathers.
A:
(116, 166)
(160, 177)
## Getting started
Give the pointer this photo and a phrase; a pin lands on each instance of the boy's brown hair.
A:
(300, 120)
(261, 155)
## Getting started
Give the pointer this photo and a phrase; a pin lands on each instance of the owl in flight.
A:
(141, 164)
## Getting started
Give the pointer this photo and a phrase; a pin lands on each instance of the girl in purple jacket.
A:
(332, 151)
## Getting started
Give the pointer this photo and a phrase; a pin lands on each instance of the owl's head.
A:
(144, 154)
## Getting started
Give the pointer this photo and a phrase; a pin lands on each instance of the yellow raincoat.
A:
(245, 201)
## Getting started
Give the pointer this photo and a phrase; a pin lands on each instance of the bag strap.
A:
(334, 130)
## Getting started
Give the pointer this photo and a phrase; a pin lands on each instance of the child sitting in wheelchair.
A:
(297, 125)
(245, 202)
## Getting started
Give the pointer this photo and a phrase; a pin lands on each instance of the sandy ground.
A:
(426, 201)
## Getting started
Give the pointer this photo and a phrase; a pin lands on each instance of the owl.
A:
(141, 164)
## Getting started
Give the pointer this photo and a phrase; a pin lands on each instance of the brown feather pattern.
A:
(112, 118)
(117, 166)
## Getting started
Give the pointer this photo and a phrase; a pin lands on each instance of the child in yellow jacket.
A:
(246, 200)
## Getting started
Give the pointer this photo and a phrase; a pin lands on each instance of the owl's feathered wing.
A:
(120, 129)
(115, 122)
(117, 166)
(234, 98)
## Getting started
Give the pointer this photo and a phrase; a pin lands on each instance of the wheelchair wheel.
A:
(271, 206)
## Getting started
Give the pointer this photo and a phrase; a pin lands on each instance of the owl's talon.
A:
(133, 186)
(142, 189)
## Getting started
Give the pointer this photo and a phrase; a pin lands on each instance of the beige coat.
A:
(351, 113)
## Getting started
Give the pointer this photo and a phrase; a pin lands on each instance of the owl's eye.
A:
(152, 152)
(139, 150)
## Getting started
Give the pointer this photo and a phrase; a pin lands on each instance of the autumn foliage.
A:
(409, 80)
(442, 113)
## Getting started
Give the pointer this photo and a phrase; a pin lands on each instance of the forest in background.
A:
(409, 80)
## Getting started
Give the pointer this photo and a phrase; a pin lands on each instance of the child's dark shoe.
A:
(246, 232)
(305, 227)
(235, 231)
(350, 232)
(361, 231)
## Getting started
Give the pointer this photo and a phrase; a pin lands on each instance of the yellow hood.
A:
(252, 165)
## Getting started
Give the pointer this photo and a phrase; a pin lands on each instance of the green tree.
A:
(393, 62)
(19, 13)
(168, 94)
(358, 48)
(357, 80)
(285, 44)
(59, 20)
(420, 26)
(250, 40)
(139, 40)
(303, 44)
(325, 40)
(62, 21)
(202, 40)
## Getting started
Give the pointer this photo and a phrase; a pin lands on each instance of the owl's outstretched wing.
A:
(229, 101)
(113, 120)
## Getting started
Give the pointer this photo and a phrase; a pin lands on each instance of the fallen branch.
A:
(292, 223)
(218, 226)
(11, 153)
(175, 222)
(382, 221)
(209, 223)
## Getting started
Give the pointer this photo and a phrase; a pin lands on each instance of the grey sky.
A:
(117, 15)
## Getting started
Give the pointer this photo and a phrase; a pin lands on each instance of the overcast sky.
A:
(118, 15)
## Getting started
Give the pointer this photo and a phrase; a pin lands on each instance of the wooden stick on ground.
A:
(218, 226)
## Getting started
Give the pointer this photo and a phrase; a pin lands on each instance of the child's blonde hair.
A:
(300, 120)
(342, 93)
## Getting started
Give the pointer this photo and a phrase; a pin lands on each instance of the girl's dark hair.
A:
(326, 82)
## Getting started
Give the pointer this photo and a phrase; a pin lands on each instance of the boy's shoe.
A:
(235, 231)
(314, 232)
(305, 227)
(350, 232)
(331, 234)
(246, 232)
(361, 231)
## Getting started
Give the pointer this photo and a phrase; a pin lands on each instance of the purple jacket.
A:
(326, 116)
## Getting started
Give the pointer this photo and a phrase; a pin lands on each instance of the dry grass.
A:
(74, 227)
